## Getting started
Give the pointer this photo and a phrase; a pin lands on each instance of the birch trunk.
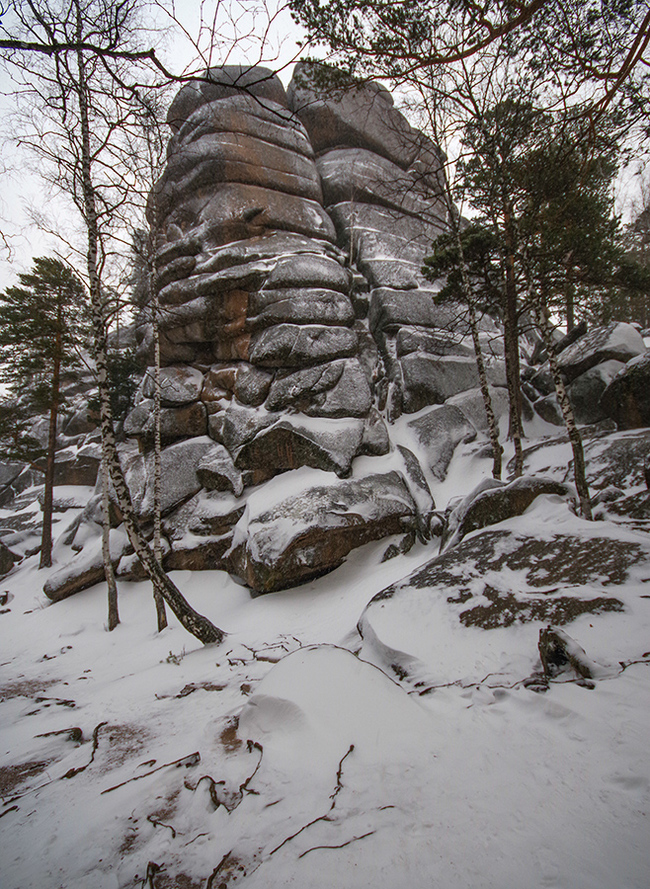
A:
(195, 623)
(48, 488)
(109, 573)
(579, 472)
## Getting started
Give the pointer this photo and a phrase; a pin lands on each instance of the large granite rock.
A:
(627, 397)
(438, 434)
(300, 536)
(616, 341)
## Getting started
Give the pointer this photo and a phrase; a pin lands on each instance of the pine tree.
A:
(42, 324)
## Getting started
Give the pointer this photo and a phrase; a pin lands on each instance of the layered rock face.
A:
(296, 326)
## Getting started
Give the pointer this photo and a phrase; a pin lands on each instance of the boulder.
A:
(235, 211)
(7, 559)
(497, 578)
(438, 433)
(224, 82)
(306, 305)
(179, 480)
(292, 345)
(586, 390)
(207, 514)
(309, 270)
(296, 441)
(234, 157)
(393, 309)
(493, 502)
(617, 341)
(77, 467)
(365, 177)
(472, 405)
(618, 460)
(337, 389)
(360, 116)
(216, 471)
(282, 541)
(627, 397)
(420, 339)
(179, 385)
(86, 568)
(429, 380)
(189, 420)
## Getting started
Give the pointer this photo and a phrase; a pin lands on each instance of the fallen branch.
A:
(157, 823)
(72, 772)
(340, 846)
(326, 816)
(187, 761)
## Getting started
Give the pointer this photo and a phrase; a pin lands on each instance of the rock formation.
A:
(296, 329)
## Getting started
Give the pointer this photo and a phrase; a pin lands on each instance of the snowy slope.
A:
(287, 757)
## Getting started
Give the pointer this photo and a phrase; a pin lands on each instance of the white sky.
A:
(266, 35)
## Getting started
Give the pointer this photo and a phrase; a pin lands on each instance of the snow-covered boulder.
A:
(439, 432)
(627, 397)
(494, 580)
(617, 341)
(286, 538)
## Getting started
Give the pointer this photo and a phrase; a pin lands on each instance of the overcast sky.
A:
(265, 35)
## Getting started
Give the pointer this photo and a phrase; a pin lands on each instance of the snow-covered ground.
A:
(286, 757)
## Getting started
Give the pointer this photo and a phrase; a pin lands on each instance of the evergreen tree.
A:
(42, 323)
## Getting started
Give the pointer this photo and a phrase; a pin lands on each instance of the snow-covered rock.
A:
(308, 533)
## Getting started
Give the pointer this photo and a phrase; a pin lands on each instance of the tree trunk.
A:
(195, 623)
(511, 341)
(157, 530)
(48, 488)
(109, 573)
(579, 473)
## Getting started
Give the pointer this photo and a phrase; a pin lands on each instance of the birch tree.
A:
(91, 102)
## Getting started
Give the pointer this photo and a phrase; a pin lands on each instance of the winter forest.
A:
(324, 444)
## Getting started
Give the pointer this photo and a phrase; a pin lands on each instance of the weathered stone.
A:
(393, 309)
(375, 441)
(363, 176)
(362, 116)
(216, 471)
(240, 424)
(80, 423)
(7, 559)
(178, 385)
(9, 471)
(77, 467)
(618, 459)
(296, 441)
(206, 554)
(418, 339)
(252, 385)
(337, 389)
(515, 578)
(234, 211)
(86, 568)
(309, 270)
(472, 405)
(419, 489)
(290, 345)
(207, 514)
(586, 390)
(429, 380)
(495, 502)
(627, 397)
(549, 409)
(222, 83)
(175, 422)
(616, 341)
(439, 432)
(178, 474)
(307, 305)
(228, 157)
(308, 534)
